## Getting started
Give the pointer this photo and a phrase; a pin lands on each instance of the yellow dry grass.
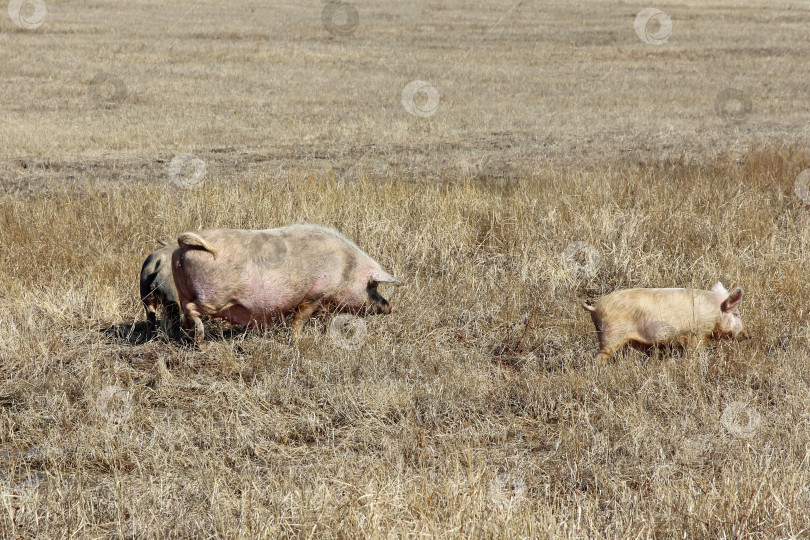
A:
(475, 410)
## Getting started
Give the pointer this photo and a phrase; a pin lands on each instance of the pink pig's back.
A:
(266, 274)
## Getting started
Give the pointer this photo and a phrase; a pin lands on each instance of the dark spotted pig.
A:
(157, 290)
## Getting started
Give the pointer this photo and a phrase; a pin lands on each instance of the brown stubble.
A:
(474, 410)
(458, 410)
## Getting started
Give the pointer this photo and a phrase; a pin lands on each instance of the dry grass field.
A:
(554, 156)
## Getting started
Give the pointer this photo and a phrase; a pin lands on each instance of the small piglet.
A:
(652, 317)
(251, 277)
(157, 290)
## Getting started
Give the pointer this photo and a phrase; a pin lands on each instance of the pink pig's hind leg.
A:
(193, 315)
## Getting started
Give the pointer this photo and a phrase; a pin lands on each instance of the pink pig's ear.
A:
(381, 276)
(733, 299)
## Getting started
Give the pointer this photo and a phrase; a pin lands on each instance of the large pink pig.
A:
(260, 276)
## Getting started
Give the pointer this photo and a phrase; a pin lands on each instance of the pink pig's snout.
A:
(383, 309)
(376, 303)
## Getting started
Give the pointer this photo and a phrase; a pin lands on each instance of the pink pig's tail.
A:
(191, 240)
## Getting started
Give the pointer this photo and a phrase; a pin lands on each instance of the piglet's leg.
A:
(610, 341)
(602, 357)
(689, 342)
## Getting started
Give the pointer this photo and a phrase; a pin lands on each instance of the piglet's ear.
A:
(718, 288)
(733, 299)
